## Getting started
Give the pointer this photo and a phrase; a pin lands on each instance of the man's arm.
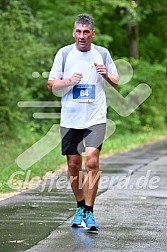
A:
(58, 84)
(112, 79)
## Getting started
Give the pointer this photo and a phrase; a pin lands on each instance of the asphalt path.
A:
(131, 209)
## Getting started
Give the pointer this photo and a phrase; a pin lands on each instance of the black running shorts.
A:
(74, 141)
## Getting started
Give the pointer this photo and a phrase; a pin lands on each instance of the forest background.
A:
(32, 31)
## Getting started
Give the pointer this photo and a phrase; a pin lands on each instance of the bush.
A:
(152, 113)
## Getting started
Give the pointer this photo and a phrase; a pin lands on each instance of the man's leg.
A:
(93, 143)
(74, 169)
(92, 175)
(90, 186)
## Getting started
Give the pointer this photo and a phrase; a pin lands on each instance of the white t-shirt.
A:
(75, 114)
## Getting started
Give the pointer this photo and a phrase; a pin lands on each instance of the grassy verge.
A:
(10, 150)
(122, 142)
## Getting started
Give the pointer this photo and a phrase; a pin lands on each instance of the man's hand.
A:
(57, 85)
(101, 69)
(76, 78)
(112, 79)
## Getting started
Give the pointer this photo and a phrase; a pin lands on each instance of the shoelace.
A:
(79, 211)
(89, 215)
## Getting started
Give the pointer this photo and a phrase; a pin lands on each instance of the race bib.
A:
(84, 92)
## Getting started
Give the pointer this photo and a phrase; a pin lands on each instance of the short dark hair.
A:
(84, 19)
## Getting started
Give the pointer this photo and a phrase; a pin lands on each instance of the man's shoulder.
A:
(65, 51)
(66, 48)
(100, 48)
(103, 51)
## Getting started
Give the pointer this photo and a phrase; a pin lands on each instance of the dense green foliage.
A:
(31, 33)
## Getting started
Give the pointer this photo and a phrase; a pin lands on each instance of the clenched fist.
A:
(76, 78)
(101, 69)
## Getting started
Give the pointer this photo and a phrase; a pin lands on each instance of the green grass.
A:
(11, 149)
(121, 142)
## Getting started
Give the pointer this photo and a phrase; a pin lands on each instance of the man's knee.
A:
(74, 162)
(92, 161)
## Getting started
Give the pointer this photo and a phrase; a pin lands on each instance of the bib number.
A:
(84, 92)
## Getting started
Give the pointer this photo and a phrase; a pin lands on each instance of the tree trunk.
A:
(133, 38)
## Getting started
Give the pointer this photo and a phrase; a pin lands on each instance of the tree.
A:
(133, 33)
(21, 50)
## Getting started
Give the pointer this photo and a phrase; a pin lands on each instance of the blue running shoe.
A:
(78, 218)
(90, 223)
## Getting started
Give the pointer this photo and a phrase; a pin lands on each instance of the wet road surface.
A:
(130, 209)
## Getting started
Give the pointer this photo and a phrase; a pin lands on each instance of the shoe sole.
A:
(82, 225)
(92, 230)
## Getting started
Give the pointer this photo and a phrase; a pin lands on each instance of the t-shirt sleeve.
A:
(110, 65)
(56, 70)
